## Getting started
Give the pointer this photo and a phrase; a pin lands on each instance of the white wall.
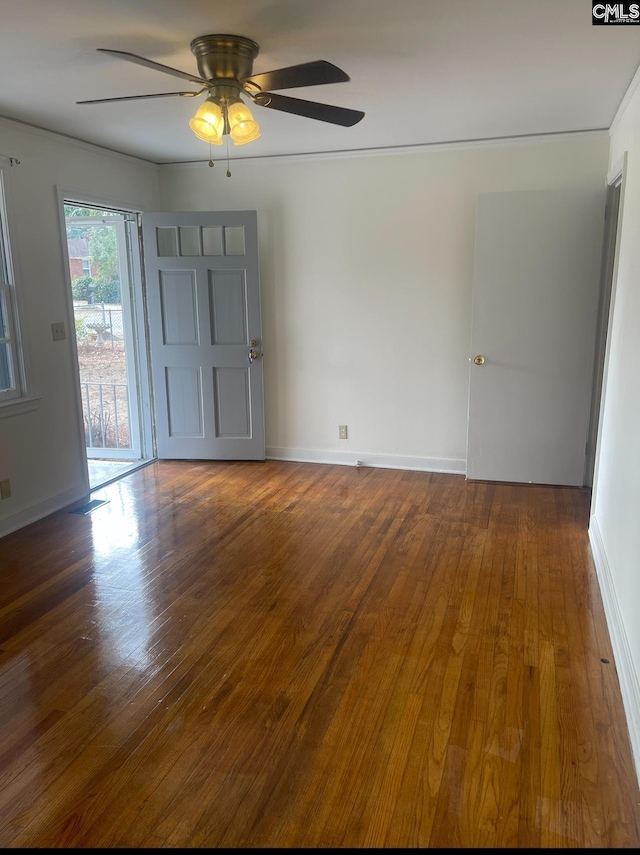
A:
(366, 266)
(41, 451)
(615, 526)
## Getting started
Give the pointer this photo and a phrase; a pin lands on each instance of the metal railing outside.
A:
(105, 409)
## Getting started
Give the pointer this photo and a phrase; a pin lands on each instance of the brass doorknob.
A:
(253, 354)
(478, 360)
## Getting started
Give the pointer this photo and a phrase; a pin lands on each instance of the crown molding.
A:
(451, 145)
(626, 98)
(341, 154)
(36, 130)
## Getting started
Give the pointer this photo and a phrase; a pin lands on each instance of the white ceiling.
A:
(423, 71)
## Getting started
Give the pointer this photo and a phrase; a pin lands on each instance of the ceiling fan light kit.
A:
(242, 126)
(208, 122)
(225, 72)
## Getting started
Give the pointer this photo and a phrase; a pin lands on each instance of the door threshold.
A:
(103, 472)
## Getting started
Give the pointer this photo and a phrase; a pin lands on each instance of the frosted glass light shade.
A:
(242, 126)
(208, 123)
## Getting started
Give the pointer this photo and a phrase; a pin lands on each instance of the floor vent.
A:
(90, 506)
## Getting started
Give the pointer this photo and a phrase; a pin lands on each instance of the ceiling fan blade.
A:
(310, 109)
(149, 63)
(139, 97)
(307, 74)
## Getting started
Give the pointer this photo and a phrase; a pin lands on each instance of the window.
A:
(7, 360)
(12, 384)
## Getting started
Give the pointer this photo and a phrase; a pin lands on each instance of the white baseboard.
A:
(627, 674)
(378, 461)
(42, 509)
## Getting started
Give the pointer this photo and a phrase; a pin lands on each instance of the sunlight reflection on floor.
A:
(101, 471)
(121, 596)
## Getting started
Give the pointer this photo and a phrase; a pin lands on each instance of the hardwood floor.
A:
(281, 654)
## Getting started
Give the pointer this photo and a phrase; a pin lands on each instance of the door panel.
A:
(184, 402)
(228, 306)
(204, 318)
(535, 293)
(232, 402)
(178, 307)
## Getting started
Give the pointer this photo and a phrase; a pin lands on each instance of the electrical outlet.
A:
(5, 489)
(342, 432)
(58, 331)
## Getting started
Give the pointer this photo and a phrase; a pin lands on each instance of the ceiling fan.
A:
(225, 65)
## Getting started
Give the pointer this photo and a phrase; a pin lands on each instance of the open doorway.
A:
(102, 247)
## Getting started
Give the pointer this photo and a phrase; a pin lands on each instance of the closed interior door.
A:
(535, 296)
(205, 334)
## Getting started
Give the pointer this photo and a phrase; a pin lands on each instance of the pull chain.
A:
(228, 170)
(210, 156)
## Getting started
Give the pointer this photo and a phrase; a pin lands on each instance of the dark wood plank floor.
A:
(281, 654)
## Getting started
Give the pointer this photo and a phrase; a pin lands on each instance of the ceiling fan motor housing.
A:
(224, 56)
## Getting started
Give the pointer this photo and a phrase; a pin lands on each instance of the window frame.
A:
(16, 399)
(7, 335)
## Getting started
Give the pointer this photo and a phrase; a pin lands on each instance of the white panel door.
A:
(205, 334)
(535, 295)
